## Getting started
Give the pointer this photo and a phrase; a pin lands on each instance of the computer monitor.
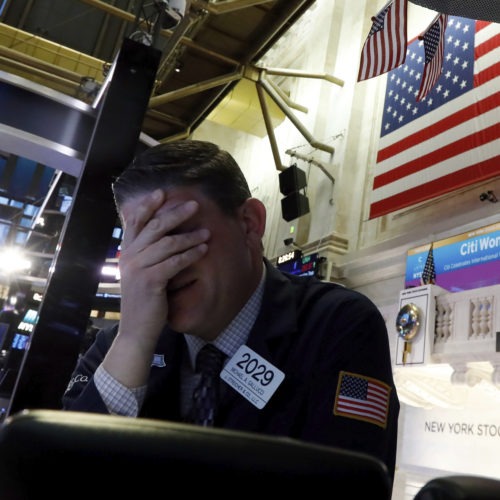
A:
(4, 328)
(27, 324)
(301, 265)
(20, 341)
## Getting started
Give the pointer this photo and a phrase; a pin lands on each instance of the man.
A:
(304, 359)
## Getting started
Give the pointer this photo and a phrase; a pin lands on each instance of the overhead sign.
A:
(463, 262)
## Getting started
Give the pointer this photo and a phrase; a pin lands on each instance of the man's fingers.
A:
(142, 232)
(180, 261)
(170, 249)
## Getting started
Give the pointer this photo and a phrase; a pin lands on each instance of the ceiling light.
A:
(13, 260)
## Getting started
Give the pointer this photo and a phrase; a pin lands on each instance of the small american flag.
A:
(385, 46)
(362, 398)
(429, 272)
(433, 40)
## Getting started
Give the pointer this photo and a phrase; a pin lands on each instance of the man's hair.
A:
(185, 163)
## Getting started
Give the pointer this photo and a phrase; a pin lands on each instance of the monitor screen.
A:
(303, 265)
(19, 341)
(66, 201)
(24, 330)
(4, 328)
(27, 324)
(462, 262)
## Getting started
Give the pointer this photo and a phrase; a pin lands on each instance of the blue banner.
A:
(463, 262)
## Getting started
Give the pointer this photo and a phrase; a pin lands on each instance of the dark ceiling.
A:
(215, 45)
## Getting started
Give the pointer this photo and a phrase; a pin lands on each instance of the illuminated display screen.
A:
(463, 262)
(20, 341)
(306, 265)
(24, 330)
(28, 322)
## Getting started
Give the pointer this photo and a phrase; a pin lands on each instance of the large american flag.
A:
(450, 139)
(385, 47)
(362, 398)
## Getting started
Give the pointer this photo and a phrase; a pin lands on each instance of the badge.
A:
(252, 376)
(158, 360)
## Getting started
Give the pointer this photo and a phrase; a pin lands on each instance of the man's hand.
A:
(152, 252)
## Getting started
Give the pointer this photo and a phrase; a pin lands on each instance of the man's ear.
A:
(253, 215)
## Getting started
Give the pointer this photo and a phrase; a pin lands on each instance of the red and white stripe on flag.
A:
(385, 47)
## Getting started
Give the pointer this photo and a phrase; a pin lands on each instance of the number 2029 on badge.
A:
(252, 376)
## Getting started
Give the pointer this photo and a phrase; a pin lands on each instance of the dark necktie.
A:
(206, 394)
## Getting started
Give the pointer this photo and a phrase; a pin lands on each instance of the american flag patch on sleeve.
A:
(362, 398)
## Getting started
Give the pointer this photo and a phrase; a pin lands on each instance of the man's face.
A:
(205, 297)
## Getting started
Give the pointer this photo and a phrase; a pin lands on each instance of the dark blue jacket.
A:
(309, 329)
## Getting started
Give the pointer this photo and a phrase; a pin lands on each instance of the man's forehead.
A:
(174, 196)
